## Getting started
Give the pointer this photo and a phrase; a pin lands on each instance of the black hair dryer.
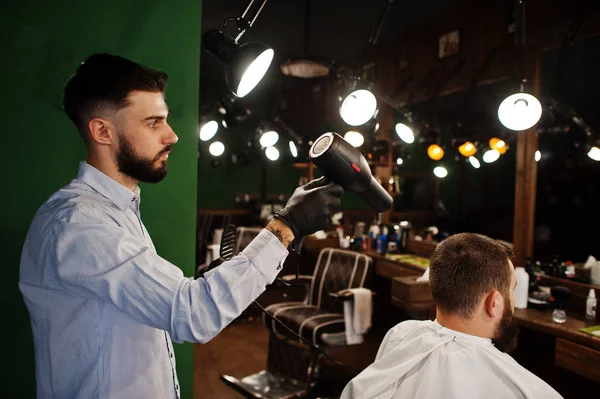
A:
(343, 164)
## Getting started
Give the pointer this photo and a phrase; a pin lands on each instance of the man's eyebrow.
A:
(160, 117)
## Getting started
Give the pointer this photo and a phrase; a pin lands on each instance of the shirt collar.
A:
(120, 195)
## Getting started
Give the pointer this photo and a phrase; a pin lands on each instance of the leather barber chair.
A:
(294, 367)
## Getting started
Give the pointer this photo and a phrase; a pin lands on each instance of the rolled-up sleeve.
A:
(102, 261)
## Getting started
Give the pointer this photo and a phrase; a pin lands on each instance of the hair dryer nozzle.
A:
(343, 164)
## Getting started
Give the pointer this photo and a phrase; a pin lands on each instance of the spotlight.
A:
(399, 161)
(208, 130)
(467, 149)
(272, 153)
(293, 149)
(269, 138)
(537, 156)
(216, 149)
(435, 152)
(405, 133)
(355, 138)
(358, 106)
(491, 156)
(440, 172)
(474, 162)
(245, 64)
(594, 153)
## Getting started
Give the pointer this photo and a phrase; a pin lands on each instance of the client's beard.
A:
(507, 330)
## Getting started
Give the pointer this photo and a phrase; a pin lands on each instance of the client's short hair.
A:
(102, 83)
(465, 267)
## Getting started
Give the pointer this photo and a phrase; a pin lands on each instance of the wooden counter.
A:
(542, 321)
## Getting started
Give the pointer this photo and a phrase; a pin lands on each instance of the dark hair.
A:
(466, 266)
(103, 83)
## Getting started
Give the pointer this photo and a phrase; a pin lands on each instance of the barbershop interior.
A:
(436, 117)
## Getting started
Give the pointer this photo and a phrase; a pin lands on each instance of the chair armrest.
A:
(345, 295)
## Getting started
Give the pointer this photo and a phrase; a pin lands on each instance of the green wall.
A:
(43, 43)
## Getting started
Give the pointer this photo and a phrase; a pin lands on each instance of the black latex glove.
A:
(309, 208)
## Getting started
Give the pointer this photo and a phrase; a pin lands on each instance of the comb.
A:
(228, 240)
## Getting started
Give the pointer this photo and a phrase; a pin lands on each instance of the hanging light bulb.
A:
(272, 153)
(474, 162)
(537, 156)
(594, 153)
(435, 152)
(467, 149)
(355, 138)
(399, 161)
(216, 149)
(491, 156)
(269, 138)
(405, 133)
(519, 111)
(358, 107)
(498, 145)
(208, 130)
(293, 149)
(440, 172)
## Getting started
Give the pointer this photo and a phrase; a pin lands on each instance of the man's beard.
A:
(507, 330)
(131, 164)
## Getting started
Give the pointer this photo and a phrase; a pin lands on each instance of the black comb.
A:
(228, 240)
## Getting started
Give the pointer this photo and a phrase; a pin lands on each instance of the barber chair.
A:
(293, 367)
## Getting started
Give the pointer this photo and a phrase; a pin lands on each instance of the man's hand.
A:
(309, 208)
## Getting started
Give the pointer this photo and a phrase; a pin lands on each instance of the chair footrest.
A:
(265, 385)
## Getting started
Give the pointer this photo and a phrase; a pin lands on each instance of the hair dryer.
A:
(343, 164)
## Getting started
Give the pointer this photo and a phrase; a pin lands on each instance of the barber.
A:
(104, 306)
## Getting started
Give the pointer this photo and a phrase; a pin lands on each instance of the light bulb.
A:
(358, 107)
(467, 149)
(216, 149)
(491, 156)
(255, 72)
(399, 161)
(268, 139)
(354, 138)
(594, 153)
(519, 111)
(293, 149)
(272, 153)
(208, 130)
(435, 152)
(537, 156)
(405, 133)
(440, 172)
(474, 162)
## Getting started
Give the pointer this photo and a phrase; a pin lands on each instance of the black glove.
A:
(309, 208)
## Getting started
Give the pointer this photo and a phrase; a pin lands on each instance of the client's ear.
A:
(492, 304)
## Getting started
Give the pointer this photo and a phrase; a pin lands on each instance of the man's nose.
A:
(171, 138)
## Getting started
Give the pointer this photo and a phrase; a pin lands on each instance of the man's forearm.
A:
(282, 231)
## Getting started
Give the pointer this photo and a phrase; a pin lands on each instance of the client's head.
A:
(472, 280)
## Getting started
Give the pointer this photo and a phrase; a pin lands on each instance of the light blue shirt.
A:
(104, 305)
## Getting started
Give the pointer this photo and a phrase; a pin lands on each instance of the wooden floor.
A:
(241, 349)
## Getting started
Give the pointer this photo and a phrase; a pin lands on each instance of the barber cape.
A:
(423, 360)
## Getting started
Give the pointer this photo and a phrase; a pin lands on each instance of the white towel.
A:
(357, 315)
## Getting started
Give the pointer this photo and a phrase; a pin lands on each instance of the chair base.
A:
(264, 385)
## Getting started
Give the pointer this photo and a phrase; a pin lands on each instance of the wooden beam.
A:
(526, 178)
